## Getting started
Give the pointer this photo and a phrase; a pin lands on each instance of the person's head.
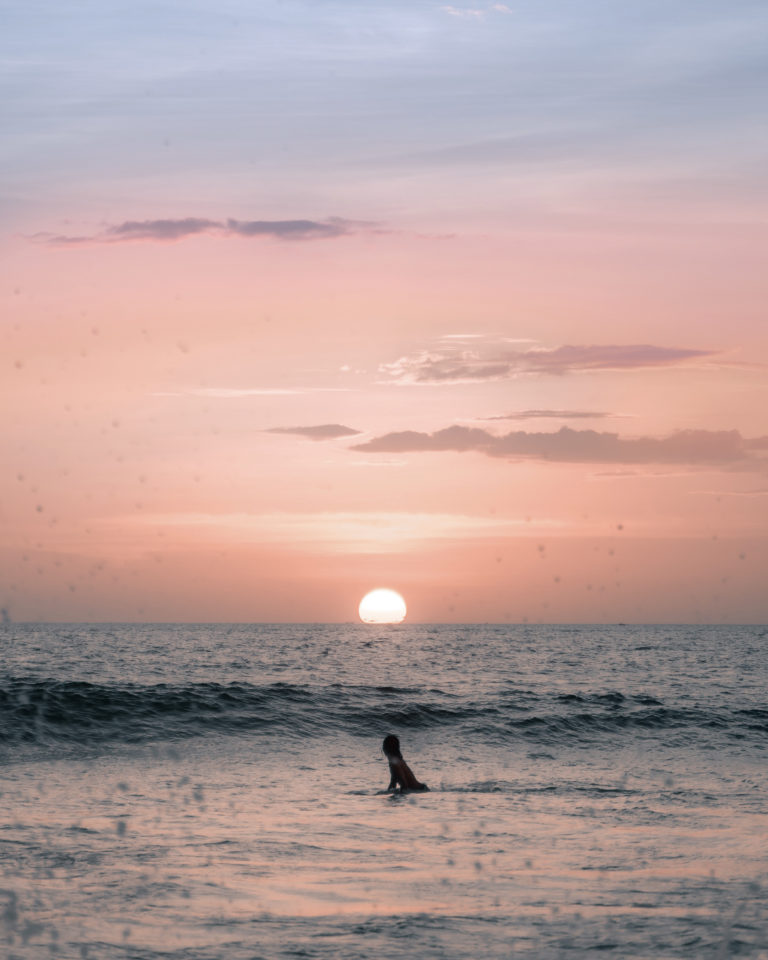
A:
(391, 746)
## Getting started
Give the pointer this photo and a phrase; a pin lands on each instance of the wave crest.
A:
(49, 712)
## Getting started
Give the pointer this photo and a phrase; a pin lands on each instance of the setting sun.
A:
(382, 606)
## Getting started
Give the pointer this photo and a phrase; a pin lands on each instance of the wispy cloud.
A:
(171, 230)
(475, 13)
(691, 447)
(323, 431)
(297, 229)
(239, 393)
(552, 415)
(465, 13)
(157, 229)
(494, 359)
(368, 532)
(761, 492)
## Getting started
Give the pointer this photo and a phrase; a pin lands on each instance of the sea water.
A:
(215, 791)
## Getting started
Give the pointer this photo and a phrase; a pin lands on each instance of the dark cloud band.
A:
(693, 447)
(323, 431)
(493, 361)
(170, 230)
(553, 415)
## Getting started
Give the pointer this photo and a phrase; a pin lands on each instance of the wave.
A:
(49, 712)
(41, 711)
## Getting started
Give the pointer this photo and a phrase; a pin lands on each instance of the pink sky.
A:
(510, 363)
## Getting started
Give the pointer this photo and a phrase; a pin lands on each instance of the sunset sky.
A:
(300, 299)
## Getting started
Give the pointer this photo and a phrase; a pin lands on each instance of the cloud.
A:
(466, 13)
(475, 13)
(552, 415)
(323, 431)
(692, 447)
(234, 393)
(495, 360)
(345, 531)
(569, 358)
(158, 229)
(59, 240)
(761, 492)
(463, 336)
(617, 473)
(239, 393)
(296, 229)
(170, 230)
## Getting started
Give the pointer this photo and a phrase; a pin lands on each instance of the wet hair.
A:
(391, 746)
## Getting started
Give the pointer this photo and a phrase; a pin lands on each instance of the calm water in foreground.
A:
(212, 792)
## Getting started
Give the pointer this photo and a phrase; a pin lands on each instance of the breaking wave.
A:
(49, 712)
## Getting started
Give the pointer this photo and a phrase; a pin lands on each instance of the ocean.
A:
(214, 792)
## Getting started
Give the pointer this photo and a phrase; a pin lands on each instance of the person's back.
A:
(401, 774)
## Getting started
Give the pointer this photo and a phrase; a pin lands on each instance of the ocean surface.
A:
(214, 792)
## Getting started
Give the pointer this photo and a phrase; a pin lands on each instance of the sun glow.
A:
(382, 606)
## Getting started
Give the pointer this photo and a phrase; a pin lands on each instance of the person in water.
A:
(401, 774)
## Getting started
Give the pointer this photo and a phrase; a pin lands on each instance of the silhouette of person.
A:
(401, 774)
